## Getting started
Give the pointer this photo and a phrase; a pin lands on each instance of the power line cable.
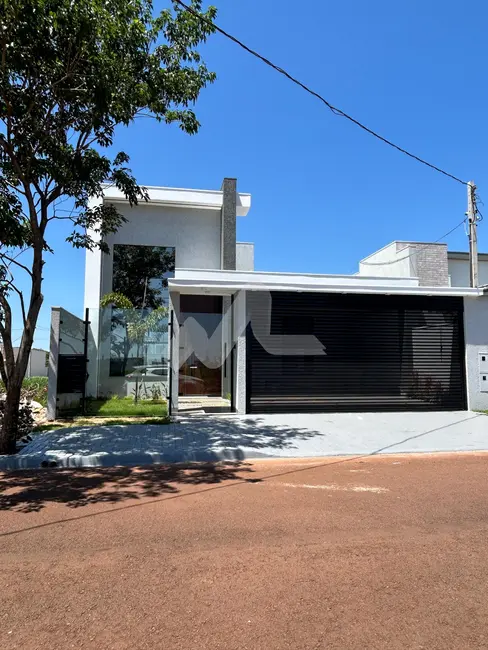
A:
(336, 111)
(416, 251)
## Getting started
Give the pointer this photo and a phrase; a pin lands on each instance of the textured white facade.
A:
(390, 261)
(194, 233)
(244, 256)
(188, 220)
(191, 222)
(424, 261)
(37, 366)
(476, 340)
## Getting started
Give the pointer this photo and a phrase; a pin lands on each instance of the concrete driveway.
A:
(218, 437)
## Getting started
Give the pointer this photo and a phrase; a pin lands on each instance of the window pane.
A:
(141, 274)
(139, 341)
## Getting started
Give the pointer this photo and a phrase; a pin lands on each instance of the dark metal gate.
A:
(72, 369)
(381, 353)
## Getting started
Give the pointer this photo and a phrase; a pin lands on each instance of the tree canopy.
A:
(71, 71)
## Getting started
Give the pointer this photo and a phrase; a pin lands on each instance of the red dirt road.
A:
(380, 553)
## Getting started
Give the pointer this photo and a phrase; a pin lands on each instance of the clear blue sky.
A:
(324, 193)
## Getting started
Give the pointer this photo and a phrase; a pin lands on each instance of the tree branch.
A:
(5, 144)
(6, 334)
(3, 373)
(61, 218)
(11, 284)
(12, 260)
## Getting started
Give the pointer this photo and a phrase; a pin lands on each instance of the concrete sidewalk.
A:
(232, 437)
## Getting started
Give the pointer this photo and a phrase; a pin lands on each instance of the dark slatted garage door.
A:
(370, 353)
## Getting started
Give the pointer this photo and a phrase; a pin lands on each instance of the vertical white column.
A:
(239, 337)
(174, 345)
(93, 289)
(52, 372)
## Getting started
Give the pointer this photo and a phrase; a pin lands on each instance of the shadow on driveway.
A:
(208, 450)
(30, 490)
(204, 439)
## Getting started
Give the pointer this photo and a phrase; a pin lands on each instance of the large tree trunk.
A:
(16, 368)
(8, 434)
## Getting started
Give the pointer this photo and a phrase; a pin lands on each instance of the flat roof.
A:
(182, 197)
(196, 281)
(462, 255)
(406, 245)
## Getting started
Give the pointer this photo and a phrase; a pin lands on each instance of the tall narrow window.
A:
(138, 342)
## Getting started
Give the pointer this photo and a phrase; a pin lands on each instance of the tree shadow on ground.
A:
(203, 450)
(31, 490)
(205, 439)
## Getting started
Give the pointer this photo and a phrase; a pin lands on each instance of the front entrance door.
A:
(201, 372)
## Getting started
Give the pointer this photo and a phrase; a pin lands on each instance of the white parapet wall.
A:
(476, 340)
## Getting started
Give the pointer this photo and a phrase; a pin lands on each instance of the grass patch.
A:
(127, 407)
(97, 421)
(39, 428)
(136, 420)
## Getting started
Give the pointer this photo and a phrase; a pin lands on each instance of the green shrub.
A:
(26, 421)
(33, 388)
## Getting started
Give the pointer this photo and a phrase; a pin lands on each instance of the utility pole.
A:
(473, 234)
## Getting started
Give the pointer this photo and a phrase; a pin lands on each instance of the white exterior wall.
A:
(37, 363)
(239, 336)
(244, 256)
(476, 340)
(459, 272)
(194, 233)
(388, 262)
(36, 366)
(174, 343)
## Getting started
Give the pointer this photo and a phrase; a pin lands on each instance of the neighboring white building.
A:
(458, 266)
(432, 264)
(38, 362)
(405, 333)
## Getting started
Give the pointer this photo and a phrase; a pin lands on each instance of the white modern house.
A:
(405, 333)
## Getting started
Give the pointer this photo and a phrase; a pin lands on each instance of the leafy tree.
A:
(70, 73)
(139, 273)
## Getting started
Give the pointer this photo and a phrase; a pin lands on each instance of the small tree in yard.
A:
(136, 322)
(70, 73)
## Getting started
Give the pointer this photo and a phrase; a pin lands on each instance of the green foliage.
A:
(155, 392)
(26, 420)
(137, 323)
(71, 72)
(116, 300)
(33, 388)
(141, 273)
(38, 428)
(96, 422)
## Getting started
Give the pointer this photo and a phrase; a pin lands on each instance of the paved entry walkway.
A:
(231, 437)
